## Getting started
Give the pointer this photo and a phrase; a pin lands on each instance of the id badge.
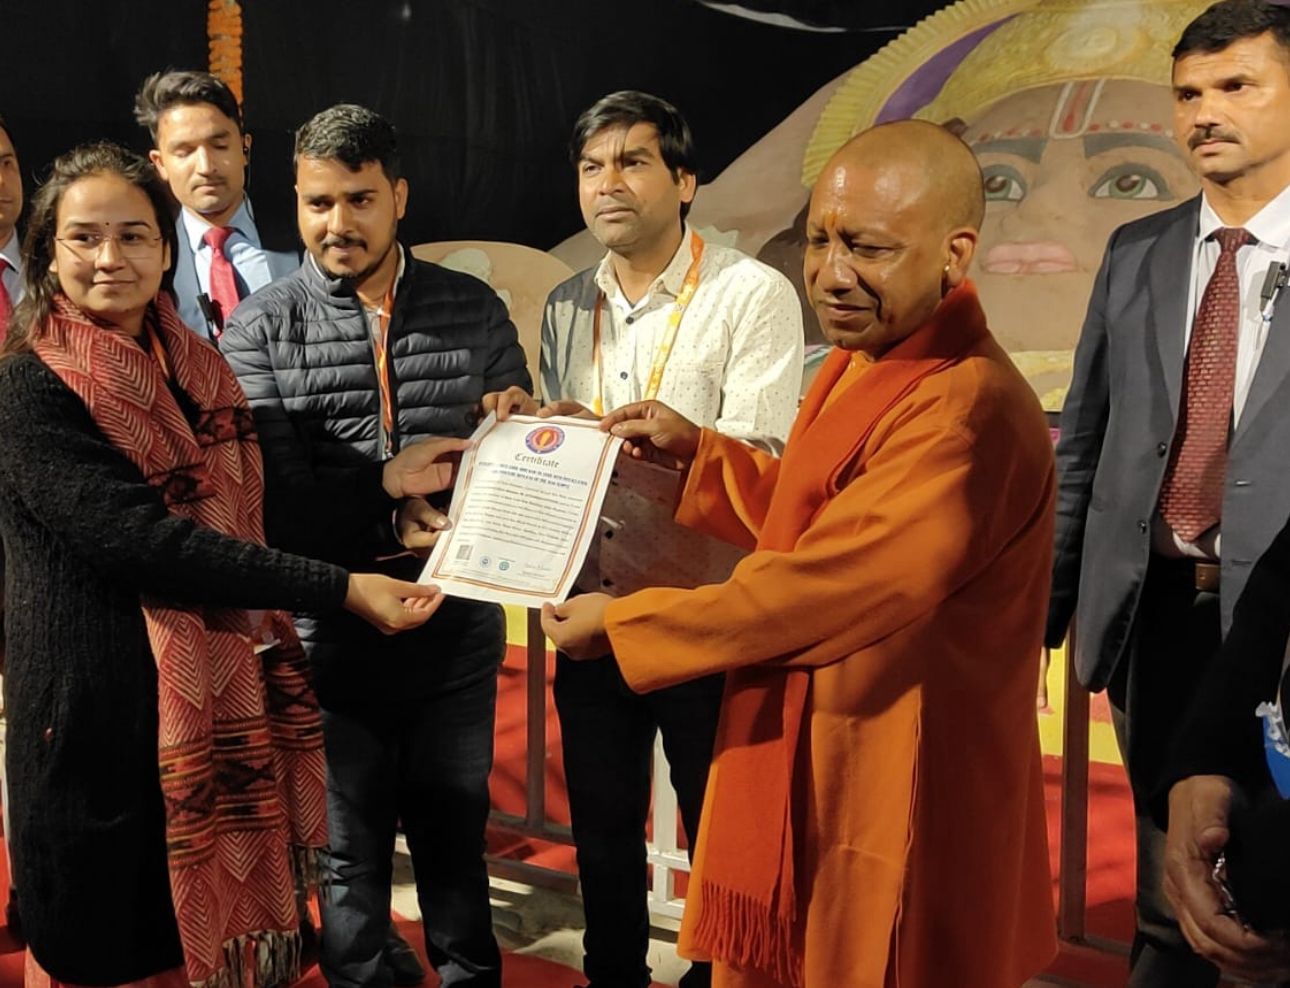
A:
(262, 636)
(1276, 747)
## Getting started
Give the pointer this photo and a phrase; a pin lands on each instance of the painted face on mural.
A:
(1064, 165)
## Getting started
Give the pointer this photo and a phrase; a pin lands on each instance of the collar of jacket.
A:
(340, 291)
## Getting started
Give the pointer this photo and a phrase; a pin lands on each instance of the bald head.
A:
(931, 165)
(893, 224)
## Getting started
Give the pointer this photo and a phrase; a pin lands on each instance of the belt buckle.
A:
(1207, 577)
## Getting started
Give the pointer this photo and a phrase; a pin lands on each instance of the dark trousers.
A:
(608, 736)
(424, 763)
(1176, 633)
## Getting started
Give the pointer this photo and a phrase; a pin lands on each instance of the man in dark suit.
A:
(1227, 820)
(1175, 440)
(201, 151)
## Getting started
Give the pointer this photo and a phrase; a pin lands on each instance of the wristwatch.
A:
(1219, 877)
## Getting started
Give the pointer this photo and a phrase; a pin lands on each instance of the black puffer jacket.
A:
(302, 350)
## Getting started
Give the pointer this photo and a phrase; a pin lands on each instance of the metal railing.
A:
(663, 853)
(1072, 869)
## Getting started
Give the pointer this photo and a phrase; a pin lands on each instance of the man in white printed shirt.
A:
(717, 335)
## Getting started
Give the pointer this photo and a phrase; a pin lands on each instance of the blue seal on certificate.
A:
(545, 439)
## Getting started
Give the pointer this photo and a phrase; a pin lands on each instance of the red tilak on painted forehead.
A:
(1073, 117)
(1075, 108)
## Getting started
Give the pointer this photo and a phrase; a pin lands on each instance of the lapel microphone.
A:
(1273, 281)
(213, 321)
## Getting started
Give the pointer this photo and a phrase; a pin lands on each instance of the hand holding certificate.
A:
(524, 510)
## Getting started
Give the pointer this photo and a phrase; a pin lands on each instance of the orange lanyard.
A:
(382, 368)
(158, 351)
(665, 345)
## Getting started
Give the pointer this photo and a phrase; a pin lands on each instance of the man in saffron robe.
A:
(875, 813)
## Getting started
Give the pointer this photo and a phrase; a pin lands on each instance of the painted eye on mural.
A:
(1003, 184)
(1131, 182)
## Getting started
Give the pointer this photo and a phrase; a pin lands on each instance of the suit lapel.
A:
(1168, 268)
(186, 284)
(1274, 364)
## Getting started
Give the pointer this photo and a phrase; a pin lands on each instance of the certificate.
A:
(524, 510)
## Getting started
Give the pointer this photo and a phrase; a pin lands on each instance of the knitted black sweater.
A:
(84, 536)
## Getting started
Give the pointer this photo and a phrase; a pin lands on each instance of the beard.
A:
(354, 278)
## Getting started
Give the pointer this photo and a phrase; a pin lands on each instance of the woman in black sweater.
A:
(164, 754)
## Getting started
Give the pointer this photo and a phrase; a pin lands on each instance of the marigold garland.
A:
(224, 32)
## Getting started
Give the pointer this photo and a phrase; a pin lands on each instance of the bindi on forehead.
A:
(73, 221)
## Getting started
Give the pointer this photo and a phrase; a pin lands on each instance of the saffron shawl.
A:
(749, 897)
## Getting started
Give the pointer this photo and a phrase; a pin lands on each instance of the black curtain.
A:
(69, 70)
(830, 15)
(483, 92)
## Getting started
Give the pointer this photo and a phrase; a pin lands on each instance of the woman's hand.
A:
(391, 605)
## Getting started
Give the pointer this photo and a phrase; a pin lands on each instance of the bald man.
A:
(874, 813)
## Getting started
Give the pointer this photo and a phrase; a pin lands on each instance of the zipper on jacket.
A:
(388, 438)
(392, 383)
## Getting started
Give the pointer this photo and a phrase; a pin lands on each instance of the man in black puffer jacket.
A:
(361, 351)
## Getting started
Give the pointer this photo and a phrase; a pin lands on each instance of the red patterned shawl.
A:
(240, 738)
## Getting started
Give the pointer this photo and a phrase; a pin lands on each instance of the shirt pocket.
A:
(694, 389)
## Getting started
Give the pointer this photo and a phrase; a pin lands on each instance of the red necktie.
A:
(223, 281)
(6, 303)
(1191, 498)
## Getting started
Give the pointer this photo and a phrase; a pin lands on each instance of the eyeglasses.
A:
(86, 244)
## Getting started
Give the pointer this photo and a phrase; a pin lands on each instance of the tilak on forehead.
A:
(962, 60)
(1074, 115)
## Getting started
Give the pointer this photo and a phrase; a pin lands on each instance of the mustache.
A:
(614, 202)
(1199, 137)
(343, 242)
(863, 287)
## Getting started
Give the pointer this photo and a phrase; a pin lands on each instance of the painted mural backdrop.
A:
(1067, 105)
